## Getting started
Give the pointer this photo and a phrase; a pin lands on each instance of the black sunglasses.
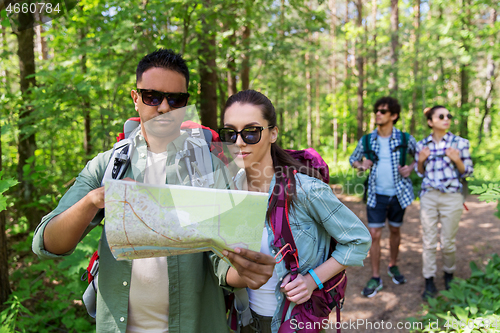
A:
(250, 135)
(382, 111)
(155, 98)
(449, 116)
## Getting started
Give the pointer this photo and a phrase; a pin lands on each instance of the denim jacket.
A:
(316, 216)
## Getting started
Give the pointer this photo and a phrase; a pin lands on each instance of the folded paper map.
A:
(145, 220)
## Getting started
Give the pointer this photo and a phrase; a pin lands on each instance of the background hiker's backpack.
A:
(322, 302)
(202, 142)
(372, 156)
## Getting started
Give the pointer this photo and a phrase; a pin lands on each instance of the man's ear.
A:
(135, 98)
(274, 134)
(394, 116)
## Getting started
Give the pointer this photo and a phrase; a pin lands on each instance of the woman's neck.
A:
(437, 135)
(260, 175)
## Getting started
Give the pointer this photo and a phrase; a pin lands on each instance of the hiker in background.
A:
(169, 294)
(315, 214)
(389, 189)
(443, 159)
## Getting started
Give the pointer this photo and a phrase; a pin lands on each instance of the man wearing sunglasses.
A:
(389, 190)
(170, 294)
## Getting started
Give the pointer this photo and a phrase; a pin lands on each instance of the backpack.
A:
(198, 147)
(324, 300)
(371, 155)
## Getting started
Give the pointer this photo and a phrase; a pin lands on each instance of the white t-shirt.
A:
(148, 302)
(263, 300)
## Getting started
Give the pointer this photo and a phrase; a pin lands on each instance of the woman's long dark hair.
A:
(285, 166)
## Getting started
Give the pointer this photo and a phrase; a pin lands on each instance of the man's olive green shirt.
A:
(195, 297)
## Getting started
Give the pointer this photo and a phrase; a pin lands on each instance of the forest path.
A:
(478, 237)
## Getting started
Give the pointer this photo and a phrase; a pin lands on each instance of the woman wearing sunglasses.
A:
(443, 159)
(315, 214)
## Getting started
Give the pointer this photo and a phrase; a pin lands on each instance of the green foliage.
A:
(14, 309)
(47, 294)
(488, 193)
(5, 184)
(471, 305)
(90, 69)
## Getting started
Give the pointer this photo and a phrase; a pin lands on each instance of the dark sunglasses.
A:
(449, 116)
(155, 98)
(382, 111)
(250, 135)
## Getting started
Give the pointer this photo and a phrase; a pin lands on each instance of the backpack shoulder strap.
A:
(198, 160)
(403, 148)
(283, 237)
(119, 160)
(367, 146)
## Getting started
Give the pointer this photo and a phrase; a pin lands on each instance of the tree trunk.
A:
(416, 40)
(27, 144)
(346, 84)
(5, 76)
(4, 263)
(374, 72)
(40, 39)
(222, 85)
(441, 90)
(393, 82)
(359, 65)
(185, 28)
(317, 129)
(231, 67)
(490, 76)
(464, 78)
(87, 145)
(375, 54)
(4, 248)
(464, 99)
(309, 100)
(281, 84)
(333, 81)
(245, 64)
(208, 73)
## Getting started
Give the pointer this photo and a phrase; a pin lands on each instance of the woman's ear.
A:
(429, 122)
(274, 134)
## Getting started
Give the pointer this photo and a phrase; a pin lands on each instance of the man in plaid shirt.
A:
(442, 160)
(389, 190)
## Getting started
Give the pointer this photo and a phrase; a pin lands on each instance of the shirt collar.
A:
(394, 134)
(174, 146)
(448, 136)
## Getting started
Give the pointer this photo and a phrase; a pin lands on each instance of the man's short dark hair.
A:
(163, 58)
(392, 104)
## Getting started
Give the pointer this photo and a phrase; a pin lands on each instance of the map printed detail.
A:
(145, 220)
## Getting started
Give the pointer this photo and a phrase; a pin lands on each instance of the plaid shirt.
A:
(404, 187)
(440, 172)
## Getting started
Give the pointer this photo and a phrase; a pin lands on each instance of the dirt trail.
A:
(478, 237)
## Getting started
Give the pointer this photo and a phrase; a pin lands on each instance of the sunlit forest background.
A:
(66, 81)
